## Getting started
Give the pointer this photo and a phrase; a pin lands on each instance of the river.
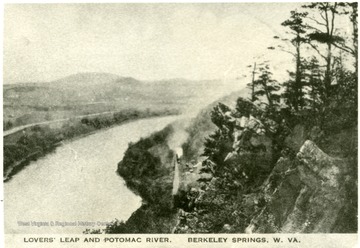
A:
(77, 183)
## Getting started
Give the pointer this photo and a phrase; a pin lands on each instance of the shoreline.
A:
(107, 128)
(151, 178)
(24, 162)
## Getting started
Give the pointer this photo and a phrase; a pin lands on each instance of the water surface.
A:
(77, 182)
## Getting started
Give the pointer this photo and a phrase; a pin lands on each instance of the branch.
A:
(344, 48)
(317, 50)
(313, 19)
(311, 27)
(288, 52)
(322, 16)
(327, 19)
(332, 20)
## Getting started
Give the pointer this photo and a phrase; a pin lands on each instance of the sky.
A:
(45, 42)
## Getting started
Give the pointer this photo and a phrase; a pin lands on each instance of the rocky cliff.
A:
(306, 194)
(263, 176)
(255, 173)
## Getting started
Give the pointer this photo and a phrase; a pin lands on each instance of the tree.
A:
(266, 86)
(353, 19)
(323, 32)
(313, 81)
(252, 85)
(8, 125)
(351, 9)
(294, 88)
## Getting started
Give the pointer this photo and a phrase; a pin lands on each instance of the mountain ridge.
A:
(109, 76)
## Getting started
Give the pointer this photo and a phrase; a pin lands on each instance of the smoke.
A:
(210, 92)
(179, 136)
(208, 95)
(179, 152)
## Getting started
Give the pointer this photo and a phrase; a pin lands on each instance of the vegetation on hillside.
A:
(317, 102)
(147, 168)
(256, 176)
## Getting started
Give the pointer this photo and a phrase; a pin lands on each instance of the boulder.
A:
(304, 195)
(297, 138)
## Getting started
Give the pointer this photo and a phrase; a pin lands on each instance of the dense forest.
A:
(283, 159)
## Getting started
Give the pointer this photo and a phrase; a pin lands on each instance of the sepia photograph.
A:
(179, 119)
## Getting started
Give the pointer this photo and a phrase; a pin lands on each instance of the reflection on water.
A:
(77, 183)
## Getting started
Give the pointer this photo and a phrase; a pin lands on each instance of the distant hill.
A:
(90, 77)
(95, 87)
(77, 88)
(87, 93)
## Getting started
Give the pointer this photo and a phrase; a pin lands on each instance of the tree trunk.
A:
(297, 87)
(253, 85)
(355, 34)
(328, 71)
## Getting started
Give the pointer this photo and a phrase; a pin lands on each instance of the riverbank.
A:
(34, 142)
(147, 168)
(77, 174)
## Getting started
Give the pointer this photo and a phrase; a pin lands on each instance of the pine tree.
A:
(294, 94)
(266, 86)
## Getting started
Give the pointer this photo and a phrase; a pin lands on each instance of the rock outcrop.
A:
(262, 176)
(306, 194)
